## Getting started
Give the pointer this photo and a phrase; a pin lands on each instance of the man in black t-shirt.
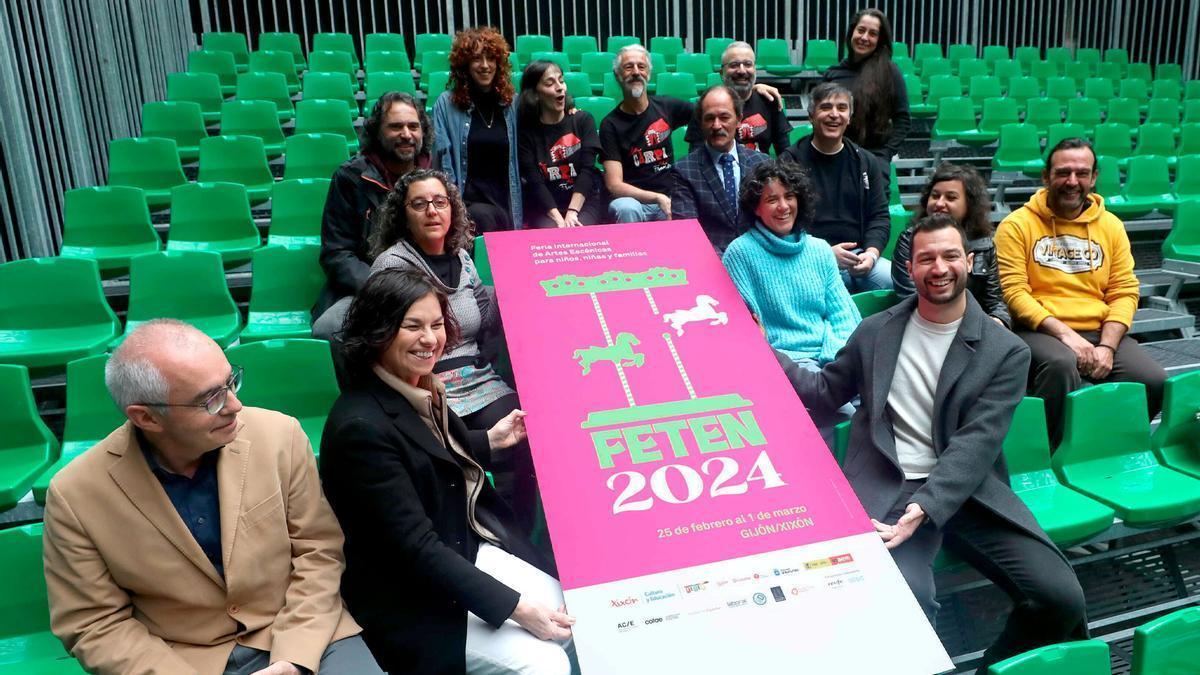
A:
(763, 122)
(852, 191)
(635, 143)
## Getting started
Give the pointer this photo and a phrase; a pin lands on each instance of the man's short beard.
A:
(636, 89)
(742, 90)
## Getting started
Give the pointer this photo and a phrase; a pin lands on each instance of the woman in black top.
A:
(880, 121)
(556, 152)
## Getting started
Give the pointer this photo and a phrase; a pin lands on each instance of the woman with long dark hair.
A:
(475, 129)
(880, 119)
(556, 150)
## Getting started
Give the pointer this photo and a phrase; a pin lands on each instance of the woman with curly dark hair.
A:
(475, 127)
(423, 226)
(880, 121)
(788, 277)
(959, 191)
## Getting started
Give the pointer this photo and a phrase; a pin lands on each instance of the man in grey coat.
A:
(939, 382)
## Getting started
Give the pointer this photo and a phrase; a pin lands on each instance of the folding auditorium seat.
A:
(1068, 517)
(296, 209)
(91, 416)
(270, 380)
(27, 447)
(254, 118)
(388, 62)
(313, 155)
(327, 61)
(527, 44)
(26, 644)
(430, 42)
(52, 310)
(285, 284)
(213, 217)
(334, 87)
(202, 88)
(237, 159)
(151, 164)
(276, 62)
(386, 42)
(284, 42)
(185, 285)
(1105, 454)
(1167, 645)
(1087, 657)
(820, 55)
(218, 63)
(234, 43)
(1019, 150)
(180, 121)
(336, 42)
(108, 224)
(266, 87)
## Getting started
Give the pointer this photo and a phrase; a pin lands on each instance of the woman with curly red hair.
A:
(475, 118)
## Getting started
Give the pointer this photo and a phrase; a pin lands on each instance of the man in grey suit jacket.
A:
(707, 180)
(939, 382)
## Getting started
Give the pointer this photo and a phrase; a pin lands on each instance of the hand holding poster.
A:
(699, 522)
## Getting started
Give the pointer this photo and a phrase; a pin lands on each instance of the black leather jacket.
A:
(983, 281)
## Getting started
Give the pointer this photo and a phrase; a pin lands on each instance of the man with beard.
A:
(762, 123)
(395, 140)
(707, 180)
(939, 382)
(1067, 274)
(852, 188)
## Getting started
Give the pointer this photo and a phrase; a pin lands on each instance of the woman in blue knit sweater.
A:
(788, 277)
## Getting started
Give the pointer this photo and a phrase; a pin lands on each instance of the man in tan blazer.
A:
(196, 538)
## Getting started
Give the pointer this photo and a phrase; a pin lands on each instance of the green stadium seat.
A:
(526, 45)
(439, 82)
(1085, 112)
(957, 53)
(1022, 88)
(899, 216)
(1108, 458)
(616, 42)
(267, 87)
(901, 50)
(612, 88)
(1172, 89)
(296, 209)
(956, 122)
(819, 55)
(575, 46)
(435, 62)
(1124, 111)
(997, 112)
(324, 116)
(1089, 56)
(1136, 89)
(697, 65)
(1061, 88)
(276, 62)
(1044, 70)
(1080, 72)
(218, 63)
(1168, 71)
(91, 416)
(935, 67)
(1067, 516)
(151, 164)
(286, 282)
(1176, 441)
(180, 121)
(774, 55)
(578, 85)
(379, 83)
(430, 42)
(799, 131)
(270, 380)
(597, 106)
(28, 447)
(982, 87)
(1110, 70)
(1139, 71)
(923, 51)
(1164, 111)
(1019, 150)
(213, 217)
(715, 48)
(917, 107)
(66, 319)
(388, 62)
(969, 68)
(1187, 172)
(714, 80)
(904, 64)
(385, 42)
(596, 65)
(1027, 56)
(1156, 139)
(943, 86)
(185, 285)
(327, 61)
(1087, 657)
(1117, 55)
(669, 46)
(1112, 140)
(1183, 240)
(313, 155)
(336, 42)
(1059, 55)
(254, 118)
(873, 302)
(1108, 182)
(1191, 110)
(1099, 89)
(236, 159)
(559, 58)
(1005, 70)
(108, 224)
(202, 88)
(27, 646)
(1168, 645)
(841, 441)
(334, 87)
(678, 145)
(284, 42)
(1060, 132)
(993, 54)
(234, 43)
(679, 85)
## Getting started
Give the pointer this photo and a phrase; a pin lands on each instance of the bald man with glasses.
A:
(195, 538)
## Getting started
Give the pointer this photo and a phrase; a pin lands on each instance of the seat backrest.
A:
(1112, 139)
(202, 88)
(679, 85)
(1168, 71)
(1098, 89)
(1023, 88)
(1044, 70)
(1060, 132)
(575, 46)
(820, 54)
(264, 87)
(270, 380)
(285, 279)
(1061, 88)
(251, 118)
(696, 64)
(210, 211)
(1155, 138)
(1108, 180)
(955, 113)
(1018, 142)
(1183, 241)
(715, 48)
(1191, 109)
(275, 62)
(388, 61)
(1088, 657)
(1088, 55)
(181, 121)
(1027, 443)
(381, 82)
(1178, 434)
(669, 46)
(385, 42)
(1084, 111)
(68, 294)
(934, 66)
(969, 68)
(983, 87)
(1149, 175)
(297, 205)
(177, 285)
(943, 86)
(596, 65)
(220, 64)
(91, 412)
(282, 42)
(528, 44)
(1026, 55)
(1059, 55)
(598, 106)
(579, 85)
(151, 163)
(1124, 111)
(111, 215)
(234, 43)
(435, 62)
(1139, 71)
(324, 116)
(1079, 72)
(329, 61)
(331, 85)
(235, 159)
(1171, 89)
(873, 302)
(772, 51)
(24, 429)
(1043, 111)
(998, 111)
(430, 42)
(1187, 170)
(923, 51)
(335, 42)
(1135, 88)
(313, 156)
(1168, 644)
(554, 57)
(995, 53)
(1095, 440)
(23, 606)
(1163, 111)
(958, 52)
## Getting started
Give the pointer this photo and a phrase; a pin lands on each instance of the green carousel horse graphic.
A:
(620, 353)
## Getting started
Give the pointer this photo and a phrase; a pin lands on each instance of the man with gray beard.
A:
(763, 122)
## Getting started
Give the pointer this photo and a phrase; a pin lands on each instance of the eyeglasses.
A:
(739, 64)
(215, 403)
(440, 203)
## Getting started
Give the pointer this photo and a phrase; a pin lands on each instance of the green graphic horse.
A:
(619, 354)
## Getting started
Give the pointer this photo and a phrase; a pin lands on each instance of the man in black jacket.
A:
(395, 140)
(852, 188)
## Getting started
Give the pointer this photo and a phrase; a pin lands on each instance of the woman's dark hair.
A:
(976, 223)
(379, 308)
(467, 45)
(372, 144)
(789, 174)
(391, 221)
(529, 104)
(874, 88)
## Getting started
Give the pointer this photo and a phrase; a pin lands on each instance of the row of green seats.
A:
(1019, 147)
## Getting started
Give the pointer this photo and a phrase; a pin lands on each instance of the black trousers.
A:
(512, 468)
(1048, 601)
(595, 210)
(489, 218)
(1053, 374)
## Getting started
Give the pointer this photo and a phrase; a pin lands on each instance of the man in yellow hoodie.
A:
(1067, 274)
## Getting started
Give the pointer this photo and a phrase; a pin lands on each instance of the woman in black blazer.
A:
(406, 481)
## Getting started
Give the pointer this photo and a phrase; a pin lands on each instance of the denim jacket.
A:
(452, 126)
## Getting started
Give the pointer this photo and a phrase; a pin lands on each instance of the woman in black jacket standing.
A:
(880, 121)
(437, 572)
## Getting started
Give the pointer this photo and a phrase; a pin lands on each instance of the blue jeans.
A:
(630, 210)
(878, 279)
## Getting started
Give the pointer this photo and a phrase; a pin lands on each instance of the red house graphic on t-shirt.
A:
(658, 132)
(749, 128)
(564, 147)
